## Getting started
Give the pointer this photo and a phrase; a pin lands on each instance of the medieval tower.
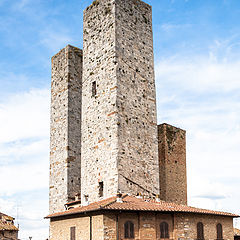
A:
(119, 128)
(172, 164)
(65, 142)
(104, 133)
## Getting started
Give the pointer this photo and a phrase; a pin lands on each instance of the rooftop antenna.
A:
(17, 215)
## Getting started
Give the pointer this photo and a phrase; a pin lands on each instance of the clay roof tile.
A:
(131, 203)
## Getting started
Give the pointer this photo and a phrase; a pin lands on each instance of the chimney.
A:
(158, 198)
(85, 202)
(119, 197)
(139, 195)
(77, 197)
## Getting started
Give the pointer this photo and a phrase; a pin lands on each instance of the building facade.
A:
(129, 217)
(8, 231)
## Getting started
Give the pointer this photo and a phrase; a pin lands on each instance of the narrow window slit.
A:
(100, 187)
(94, 89)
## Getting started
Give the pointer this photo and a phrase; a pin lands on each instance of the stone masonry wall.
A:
(119, 129)
(99, 111)
(136, 99)
(186, 226)
(172, 164)
(65, 142)
(13, 235)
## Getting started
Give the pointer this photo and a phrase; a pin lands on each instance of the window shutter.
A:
(131, 230)
(219, 232)
(164, 230)
(126, 231)
(73, 233)
(200, 231)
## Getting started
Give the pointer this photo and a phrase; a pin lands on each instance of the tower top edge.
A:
(67, 49)
(170, 126)
(96, 3)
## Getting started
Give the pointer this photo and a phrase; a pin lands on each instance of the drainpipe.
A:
(90, 227)
(117, 226)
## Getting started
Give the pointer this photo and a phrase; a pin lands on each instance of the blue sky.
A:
(197, 59)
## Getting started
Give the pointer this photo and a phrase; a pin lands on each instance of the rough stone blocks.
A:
(119, 126)
(65, 144)
(172, 164)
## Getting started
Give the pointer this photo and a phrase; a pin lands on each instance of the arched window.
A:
(164, 230)
(128, 230)
(219, 232)
(200, 231)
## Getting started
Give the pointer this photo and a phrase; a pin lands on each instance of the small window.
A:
(128, 230)
(94, 89)
(73, 233)
(219, 232)
(100, 189)
(164, 230)
(200, 231)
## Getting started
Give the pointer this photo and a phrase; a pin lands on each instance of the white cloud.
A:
(200, 74)
(201, 95)
(25, 115)
(24, 160)
(55, 40)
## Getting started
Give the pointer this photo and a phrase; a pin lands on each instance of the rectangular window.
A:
(100, 189)
(73, 233)
(94, 89)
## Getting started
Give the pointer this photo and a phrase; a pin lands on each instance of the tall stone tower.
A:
(65, 143)
(119, 125)
(172, 164)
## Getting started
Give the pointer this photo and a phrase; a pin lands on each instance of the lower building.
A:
(236, 234)
(133, 217)
(8, 231)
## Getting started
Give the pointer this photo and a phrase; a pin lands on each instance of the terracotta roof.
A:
(6, 216)
(131, 203)
(73, 202)
(4, 226)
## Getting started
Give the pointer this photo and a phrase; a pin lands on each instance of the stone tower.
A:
(65, 143)
(172, 164)
(119, 125)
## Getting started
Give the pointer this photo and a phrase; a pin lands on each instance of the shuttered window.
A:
(164, 230)
(73, 233)
(219, 232)
(200, 231)
(128, 230)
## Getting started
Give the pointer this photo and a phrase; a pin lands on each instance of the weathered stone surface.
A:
(65, 144)
(119, 128)
(172, 164)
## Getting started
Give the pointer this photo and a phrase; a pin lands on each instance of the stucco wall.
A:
(60, 229)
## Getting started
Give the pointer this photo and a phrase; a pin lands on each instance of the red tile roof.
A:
(5, 226)
(131, 203)
(6, 216)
